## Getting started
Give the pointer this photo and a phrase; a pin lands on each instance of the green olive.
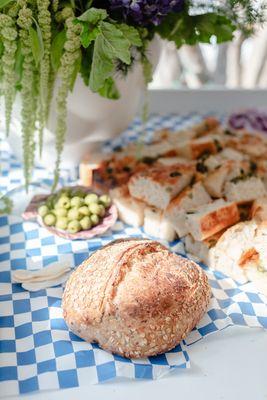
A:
(73, 214)
(74, 226)
(86, 223)
(76, 202)
(105, 200)
(63, 202)
(78, 192)
(91, 198)
(102, 210)
(49, 219)
(95, 208)
(84, 210)
(94, 219)
(62, 223)
(43, 210)
(60, 212)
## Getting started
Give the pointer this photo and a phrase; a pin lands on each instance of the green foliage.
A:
(109, 90)
(193, 29)
(131, 34)
(102, 66)
(57, 49)
(37, 45)
(41, 40)
(93, 16)
(4, 3)
(110, 43)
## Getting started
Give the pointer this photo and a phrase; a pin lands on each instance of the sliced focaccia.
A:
(244, 189)
(259, 209)
(201, 250)
(157, 225)
(157, 186)
(174, 137)
(252, 144)
(167, 161)
(204, 145)
(207, 126)
(153, 150)
(241, 253)
(214, 182)
(130, 210)
(187, 200)
(209, 219)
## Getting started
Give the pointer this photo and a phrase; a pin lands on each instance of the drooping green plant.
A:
(9, 48)
(44, 20)
(70, 64)
(45, 44)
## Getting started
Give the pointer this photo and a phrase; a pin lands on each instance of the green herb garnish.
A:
(175, 173)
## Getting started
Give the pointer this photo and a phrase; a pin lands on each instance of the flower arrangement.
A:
(44, 41)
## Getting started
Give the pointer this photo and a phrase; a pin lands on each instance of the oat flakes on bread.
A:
(135, 298)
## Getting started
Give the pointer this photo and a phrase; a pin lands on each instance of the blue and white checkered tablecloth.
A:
(37, 351)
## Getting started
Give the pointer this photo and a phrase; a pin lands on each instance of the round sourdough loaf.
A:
(135, 298)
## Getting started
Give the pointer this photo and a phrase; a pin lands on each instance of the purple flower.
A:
(145, 12)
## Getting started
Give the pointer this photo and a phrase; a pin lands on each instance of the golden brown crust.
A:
(178, 199)
(248, 256)
(219, 219)
(197, 149)
(167, 174)
(135, 298)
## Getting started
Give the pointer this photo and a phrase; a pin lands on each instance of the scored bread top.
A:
(87, 286)
(139, 278)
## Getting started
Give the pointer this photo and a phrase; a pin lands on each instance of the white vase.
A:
(91, 119)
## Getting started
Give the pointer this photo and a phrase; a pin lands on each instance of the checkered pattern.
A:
(37, 350)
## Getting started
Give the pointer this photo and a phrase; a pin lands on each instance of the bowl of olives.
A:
(73, 213)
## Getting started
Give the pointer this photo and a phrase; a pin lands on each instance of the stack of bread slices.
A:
(195, 184)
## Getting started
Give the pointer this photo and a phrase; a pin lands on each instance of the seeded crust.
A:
(135, 298)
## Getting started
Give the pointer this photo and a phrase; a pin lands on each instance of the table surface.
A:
(228, 365)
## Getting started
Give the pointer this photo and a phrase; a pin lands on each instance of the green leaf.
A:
(115, 45)
(57, 48)
(131, 34)
(183, 28)
(93, 15)
(109, 90)
(224, 33)
(147, 70)
(102, 65)
(4, 3)
(86, 64)
(88, 36)
(1, 49)
(211, 24)
(36, 45)
(76, 70)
